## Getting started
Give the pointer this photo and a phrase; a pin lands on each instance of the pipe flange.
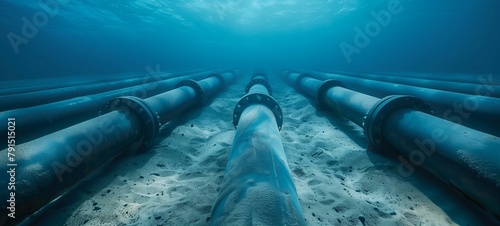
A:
(259, 81)
(196, 87)
(325, 86)
(300, 77)
(149, 118)
(220, 77)
(373, 121)
(259, 73)
(258, 98)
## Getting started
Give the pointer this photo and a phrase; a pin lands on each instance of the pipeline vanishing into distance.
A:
(53, 164)
(486, 87)
(257, 188)
(29, 99)
(403, 126)
(476, 112)
(32, 85)
(43, 119)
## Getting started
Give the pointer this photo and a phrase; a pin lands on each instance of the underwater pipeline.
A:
(29, 99)
(487, 87)
(476, 112)
(257, 187)
(464, 158)
(34, 122)
(32, 85)
(53, 164)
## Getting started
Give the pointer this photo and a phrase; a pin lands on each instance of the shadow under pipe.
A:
(48, 167)
(397, 125)
(257, 188)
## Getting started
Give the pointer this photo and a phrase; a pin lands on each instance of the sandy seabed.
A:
(338, 181)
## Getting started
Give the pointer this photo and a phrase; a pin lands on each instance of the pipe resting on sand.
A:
(257, 187)
(398, 125)
(49, 166)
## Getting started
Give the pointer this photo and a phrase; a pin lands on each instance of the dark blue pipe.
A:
(40, 120)
(258, 188)
(477, 112)
(51, 165)
(32, 85)
(464, 158)
(29, 99)
(485, 87)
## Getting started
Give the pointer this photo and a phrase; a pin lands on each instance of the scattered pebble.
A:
(361, 218)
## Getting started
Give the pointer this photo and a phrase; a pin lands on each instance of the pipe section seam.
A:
(220, 77)
(374, 119)
(149, 118)
(258, 98)
(197, 88)
(320, 96)
(300, 77)
(259, 81)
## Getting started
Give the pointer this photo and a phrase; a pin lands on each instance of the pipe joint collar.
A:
(259, 81)
(373, 121)
(197, 88)
(300, 77)
(220, 77)
(258, 98)
(325, 86)
(259, 73)
(149, 118)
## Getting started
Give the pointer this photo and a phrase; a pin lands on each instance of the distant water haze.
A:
(53, 38)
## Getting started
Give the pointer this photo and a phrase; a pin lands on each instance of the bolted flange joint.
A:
(258, 98)
(197, 89)
(373, 121)
(138, 107)
(220, 77)
(261, 81)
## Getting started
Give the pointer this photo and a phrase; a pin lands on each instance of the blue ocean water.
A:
(50, 38)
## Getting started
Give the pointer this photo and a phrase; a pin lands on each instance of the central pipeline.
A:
(257, 188)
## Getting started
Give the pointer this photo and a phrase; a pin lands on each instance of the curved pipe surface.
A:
(462, 157)
(477, 112)
(40, 120)
(32, 85)
(29, 99)
(258, 188)
(352, 105)
(486, 86)
(479, 79)
(51, 165)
